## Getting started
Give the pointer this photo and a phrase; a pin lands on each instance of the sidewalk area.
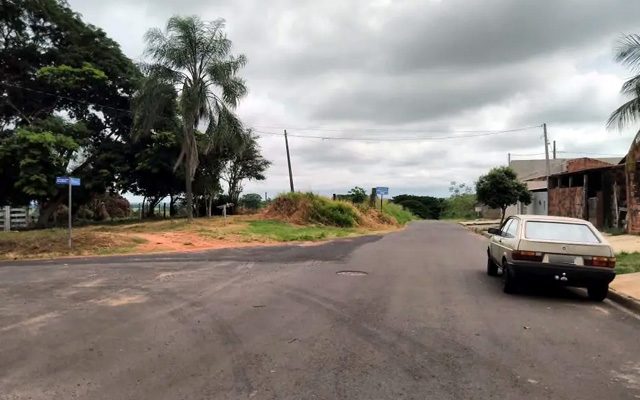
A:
(626, 285)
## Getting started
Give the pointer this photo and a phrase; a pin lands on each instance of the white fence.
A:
(14, 217)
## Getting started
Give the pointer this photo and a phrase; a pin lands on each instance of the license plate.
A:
(561, 259)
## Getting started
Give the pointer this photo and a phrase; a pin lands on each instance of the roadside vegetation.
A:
(289, 217)
(627, 263)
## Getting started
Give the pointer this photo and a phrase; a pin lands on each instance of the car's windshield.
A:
(564, 232)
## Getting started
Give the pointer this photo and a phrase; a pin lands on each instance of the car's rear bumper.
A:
(563, 274)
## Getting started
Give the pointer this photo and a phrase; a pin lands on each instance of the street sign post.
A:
(224, 210)
(382, 191)
(70, 182)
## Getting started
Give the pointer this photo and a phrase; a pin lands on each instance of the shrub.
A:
(358, 195)
(396, 211)
(337, 213)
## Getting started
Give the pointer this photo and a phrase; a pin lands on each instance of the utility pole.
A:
(508, 159)
(286, 143)
(546, 152)
(554, 149)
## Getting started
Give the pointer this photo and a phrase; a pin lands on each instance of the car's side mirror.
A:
(494, 231)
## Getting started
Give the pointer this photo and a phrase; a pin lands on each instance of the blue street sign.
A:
(64, 180)
(382, 191)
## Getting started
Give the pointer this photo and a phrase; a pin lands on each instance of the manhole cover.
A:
(352, 273)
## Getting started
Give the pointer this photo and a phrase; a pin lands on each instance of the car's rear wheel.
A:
(508, 280)
(598, 292)
(492, 268)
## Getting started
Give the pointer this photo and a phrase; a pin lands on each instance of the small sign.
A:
(65, 180)
(382, 191)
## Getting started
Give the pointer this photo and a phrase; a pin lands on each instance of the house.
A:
(533, 174)
(606, 195)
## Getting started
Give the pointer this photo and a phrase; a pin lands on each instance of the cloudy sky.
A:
(409, 69)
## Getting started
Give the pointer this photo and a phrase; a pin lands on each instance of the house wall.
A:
(633, 189)
(580, 164)
(538, 204)
(566, 202)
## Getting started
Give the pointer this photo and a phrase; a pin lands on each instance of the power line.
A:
(66, 98)
(384, 130)
(567, 152)
(400, 139)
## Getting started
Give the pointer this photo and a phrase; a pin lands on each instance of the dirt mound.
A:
(308, 208)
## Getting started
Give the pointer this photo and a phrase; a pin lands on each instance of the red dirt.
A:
(185, 241)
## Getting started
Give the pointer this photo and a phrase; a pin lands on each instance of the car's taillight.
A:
(607, 262)
(523, 255)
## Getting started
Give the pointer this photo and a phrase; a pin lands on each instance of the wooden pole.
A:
(286, 143)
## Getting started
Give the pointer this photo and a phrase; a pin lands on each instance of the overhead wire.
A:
(400, 139)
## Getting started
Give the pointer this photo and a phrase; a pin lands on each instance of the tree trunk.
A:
(189, 193)
(504, 210)
(47, 211)
(172, 210)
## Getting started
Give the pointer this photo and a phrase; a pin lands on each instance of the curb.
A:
(628, 302)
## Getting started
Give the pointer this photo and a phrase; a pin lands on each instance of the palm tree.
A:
(628, 53)
(195, 58)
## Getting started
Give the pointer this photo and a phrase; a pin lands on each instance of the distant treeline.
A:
(460, 205)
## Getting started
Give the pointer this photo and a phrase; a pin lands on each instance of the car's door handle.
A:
(500, 240)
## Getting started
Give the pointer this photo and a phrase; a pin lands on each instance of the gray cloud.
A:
(411, 68)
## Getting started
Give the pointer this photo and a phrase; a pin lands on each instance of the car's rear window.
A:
(559, 231)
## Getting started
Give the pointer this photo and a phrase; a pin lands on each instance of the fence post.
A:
(7, 218)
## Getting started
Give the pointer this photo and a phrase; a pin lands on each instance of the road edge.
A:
(630, 303)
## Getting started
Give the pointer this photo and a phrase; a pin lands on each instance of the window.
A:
(512, 229)
(506, 226)
(559, 231)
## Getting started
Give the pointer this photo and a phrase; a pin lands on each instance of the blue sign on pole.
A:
(65, 180)
(382, 191)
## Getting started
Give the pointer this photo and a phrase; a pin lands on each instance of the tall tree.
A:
(628, 53)
(500, 188)
(195, 57)
(245, 162)
(52, 64)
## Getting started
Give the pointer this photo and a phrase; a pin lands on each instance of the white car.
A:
(551, 250)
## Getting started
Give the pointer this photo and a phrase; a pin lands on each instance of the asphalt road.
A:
(426, 322)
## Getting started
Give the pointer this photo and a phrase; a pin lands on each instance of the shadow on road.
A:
(538, 291)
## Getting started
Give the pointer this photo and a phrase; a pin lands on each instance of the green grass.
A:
(627, 263)
(398, 213)
(284, 232)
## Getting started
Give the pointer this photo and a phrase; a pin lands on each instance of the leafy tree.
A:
(251, 201)
(628, 53)
(31, 159)
(500, 188)
(194, 57)
(206, 183)
(150, 170)
(52, 64)
(426, 207)
(358, 195)
(245, 162)
(460, 206)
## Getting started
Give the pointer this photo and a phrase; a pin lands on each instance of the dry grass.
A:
(179, 235)
(53, 243)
